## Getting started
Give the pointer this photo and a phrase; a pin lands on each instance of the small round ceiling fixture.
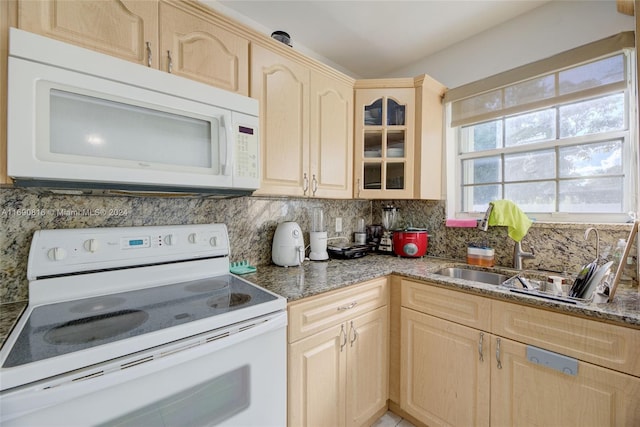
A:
(282, 36)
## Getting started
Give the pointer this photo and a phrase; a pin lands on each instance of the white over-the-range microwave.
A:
(83, 122)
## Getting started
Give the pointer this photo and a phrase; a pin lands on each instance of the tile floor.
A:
(391, 420)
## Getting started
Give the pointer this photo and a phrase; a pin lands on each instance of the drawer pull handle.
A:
(344, 335)
(348, 306)
(305, 184)
(480, 346)
(355, 334)
(498, 354)
(149, 56)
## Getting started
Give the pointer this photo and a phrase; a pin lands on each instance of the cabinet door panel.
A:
(202, 51)
(282, 86)
(118, 28)
(528, 394)
(443, 380)
(384, 143)
(331, 146)
(368, 366)
(317, 367)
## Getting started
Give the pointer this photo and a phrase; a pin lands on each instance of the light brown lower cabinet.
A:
(528, 394)
(453, 374)
(444, 382)
(338, 377)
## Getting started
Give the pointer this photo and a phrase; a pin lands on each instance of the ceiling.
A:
(369, 39)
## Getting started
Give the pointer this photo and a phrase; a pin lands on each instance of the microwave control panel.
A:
(246, 152)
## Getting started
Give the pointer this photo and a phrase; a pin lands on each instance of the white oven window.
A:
(209, 403)
(87, 126)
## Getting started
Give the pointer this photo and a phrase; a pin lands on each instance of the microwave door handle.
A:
(225, 148)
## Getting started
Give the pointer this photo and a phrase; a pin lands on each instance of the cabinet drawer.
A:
(456, 306)
(611, 346)
(314, 314)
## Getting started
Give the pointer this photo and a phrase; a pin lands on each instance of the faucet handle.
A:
(533, 249)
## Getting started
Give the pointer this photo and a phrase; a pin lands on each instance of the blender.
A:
(318, 237)
(389, 222)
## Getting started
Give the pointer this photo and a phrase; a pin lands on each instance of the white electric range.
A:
(143, 326)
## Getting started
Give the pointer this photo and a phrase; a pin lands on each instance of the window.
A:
(559, 145)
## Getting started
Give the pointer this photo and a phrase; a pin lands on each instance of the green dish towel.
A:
(507, 213)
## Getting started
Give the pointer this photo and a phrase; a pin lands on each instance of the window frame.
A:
(454, 159)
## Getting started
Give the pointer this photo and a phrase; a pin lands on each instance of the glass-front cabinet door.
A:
(384, 143)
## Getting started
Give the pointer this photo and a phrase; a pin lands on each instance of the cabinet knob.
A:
(314, 185)
(498, 353)
(169, 62)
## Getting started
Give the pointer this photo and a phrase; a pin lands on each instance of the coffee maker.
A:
(389, 222)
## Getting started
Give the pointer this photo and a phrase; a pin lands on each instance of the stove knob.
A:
(169, 239)
(91, 245)
(213, 241)
(57, 254)
(193, 238)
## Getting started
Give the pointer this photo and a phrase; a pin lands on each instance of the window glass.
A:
(532, 127)
(482, 170)
(603, 158)
(530, 91)
(479, 104)
(532, 196)
(479, 196)
(594, 74)
(530, 166)
(592, 195)
(572, 156)
(593, 116)
(480, 137)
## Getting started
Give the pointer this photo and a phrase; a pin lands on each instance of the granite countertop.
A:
(313, 278)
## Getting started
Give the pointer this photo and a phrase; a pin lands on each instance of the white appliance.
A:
(287, 248)
(318, 237)
(82, 121)
(143, 326)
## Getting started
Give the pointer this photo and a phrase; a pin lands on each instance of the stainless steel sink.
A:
(473, 275)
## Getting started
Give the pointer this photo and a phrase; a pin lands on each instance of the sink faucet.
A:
(519, 255)
(586, 237)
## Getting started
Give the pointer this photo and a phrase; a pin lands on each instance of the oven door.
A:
(233, 376)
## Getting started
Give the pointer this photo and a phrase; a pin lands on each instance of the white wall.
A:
(552, 28)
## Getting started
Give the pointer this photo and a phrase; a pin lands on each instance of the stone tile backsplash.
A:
(252, 222)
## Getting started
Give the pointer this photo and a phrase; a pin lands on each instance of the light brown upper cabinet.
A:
(127, 29)
(178, 37)
(331, 139)
(191, 46)
(398, 139)
(384, 139)
(306, 127)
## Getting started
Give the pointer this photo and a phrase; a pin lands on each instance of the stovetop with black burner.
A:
(65, 327)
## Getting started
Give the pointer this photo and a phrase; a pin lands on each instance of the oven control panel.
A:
(55, 252)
